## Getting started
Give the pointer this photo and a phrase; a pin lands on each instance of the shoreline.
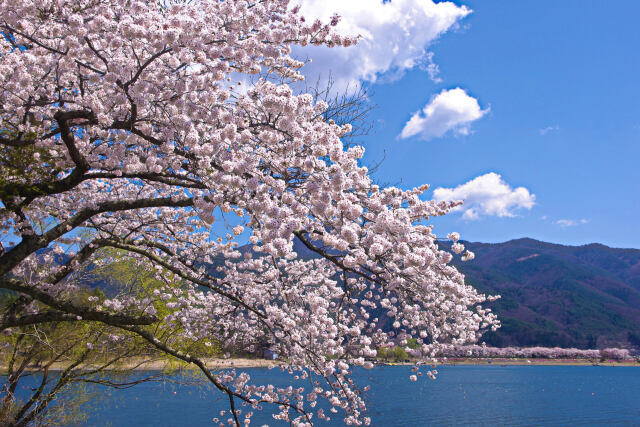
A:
(231, 363)
(137, 364)
(521, 362)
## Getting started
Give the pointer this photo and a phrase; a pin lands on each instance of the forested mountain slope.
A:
(555, 295)
(552, 295)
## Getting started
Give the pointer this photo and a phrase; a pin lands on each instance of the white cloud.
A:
(432, 69)
(451, 109)
(487, 195)
(395, 37)
(570, 222)
(548, 129)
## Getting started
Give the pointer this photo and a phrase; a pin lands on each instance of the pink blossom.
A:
(146, 140)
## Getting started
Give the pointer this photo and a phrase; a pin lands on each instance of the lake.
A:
(461, 395)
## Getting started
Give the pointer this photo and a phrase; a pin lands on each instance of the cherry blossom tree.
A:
(615, 353)
(529, 352)
(127, 125)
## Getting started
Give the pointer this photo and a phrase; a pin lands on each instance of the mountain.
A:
(554, 295)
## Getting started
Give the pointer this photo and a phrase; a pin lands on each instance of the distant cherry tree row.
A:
(536, 352)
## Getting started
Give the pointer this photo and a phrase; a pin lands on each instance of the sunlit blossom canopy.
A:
(140, 139)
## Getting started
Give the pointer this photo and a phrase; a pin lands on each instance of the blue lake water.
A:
(461, 396)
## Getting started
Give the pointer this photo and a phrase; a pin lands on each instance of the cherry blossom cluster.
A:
(534, 352)
(141, 141)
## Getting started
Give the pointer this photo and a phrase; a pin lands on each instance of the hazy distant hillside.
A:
(555, 295)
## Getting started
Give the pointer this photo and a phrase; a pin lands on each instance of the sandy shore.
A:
(137, 364)
(216, 364)
(221, 363)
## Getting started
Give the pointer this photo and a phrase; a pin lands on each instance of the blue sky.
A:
(535, 110)
(546, 121)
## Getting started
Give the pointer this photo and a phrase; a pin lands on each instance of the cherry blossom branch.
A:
(34, 319)
(333, 258)
(159, 261)
(31, 39)
(66, 306)
(146, 64)
(95, 51)
(203, 368)
(30, 244)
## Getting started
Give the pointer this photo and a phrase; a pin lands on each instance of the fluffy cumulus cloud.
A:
(487, 195)
(450, 110)
(395, 37)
